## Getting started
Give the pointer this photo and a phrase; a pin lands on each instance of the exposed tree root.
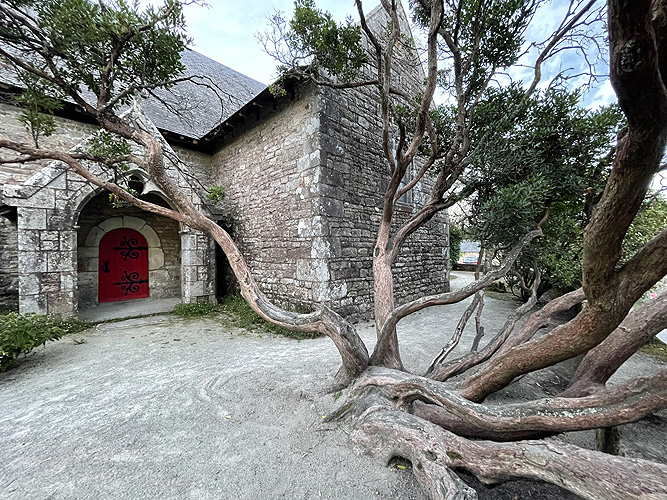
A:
(600, 363)
(384, 431)
(608, 407)
(433, 452)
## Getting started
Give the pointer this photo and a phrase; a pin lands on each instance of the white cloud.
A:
(225, 31)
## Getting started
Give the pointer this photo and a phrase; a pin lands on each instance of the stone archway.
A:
(163, 241)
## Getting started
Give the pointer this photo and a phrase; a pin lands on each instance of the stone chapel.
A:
(304, 174)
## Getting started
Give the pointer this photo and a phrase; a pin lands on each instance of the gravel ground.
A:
(164, 407)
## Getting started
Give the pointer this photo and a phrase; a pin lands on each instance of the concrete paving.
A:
(128, 309)
(163, 407)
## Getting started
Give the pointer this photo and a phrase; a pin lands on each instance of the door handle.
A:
(105, 267)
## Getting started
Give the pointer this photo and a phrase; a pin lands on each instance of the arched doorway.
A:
(123, 266)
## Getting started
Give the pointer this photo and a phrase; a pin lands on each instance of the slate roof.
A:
(195, 108)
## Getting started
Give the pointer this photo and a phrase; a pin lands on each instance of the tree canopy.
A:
(516, 149)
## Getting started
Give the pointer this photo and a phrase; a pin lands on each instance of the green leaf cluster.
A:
(651, 220)
(107, 145)
(553, 154)
(216, 194)
(38, 103)
(511, 212)
(456, 236)
(20, 334)
(489, 35)
(117, 202)
(105, 47)
(316, 37)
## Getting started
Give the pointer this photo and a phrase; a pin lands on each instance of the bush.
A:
(20, 334)
(455, 239)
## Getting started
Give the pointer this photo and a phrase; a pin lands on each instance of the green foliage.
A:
(651, 220)
(117, 202)
(20, 334)
(216, 194)
(110, 48)
(38, 107)
(313, 38)
(335, 47)
(455, 239)
(489, 35)
(110, 146)
(558, 252)
(243, 316)
(235, 312)
(656, 347)
(554, 154)
(511, 212)
(275, 89)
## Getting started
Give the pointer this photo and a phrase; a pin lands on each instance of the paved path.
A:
(163, 407)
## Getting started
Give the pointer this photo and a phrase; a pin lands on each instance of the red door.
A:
(123, 273)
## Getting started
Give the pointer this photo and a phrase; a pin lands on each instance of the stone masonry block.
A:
(32, 262)
(61, 261)
(192, 258)
(111, 224)
(68, 282)
(320, 248)
(155, 258)
(188, 242)
(151, 236)
(49, 245)
(31, 218)
(49, 235)
(29, 284)
(304, 269)
(193, 289)
(28, 239)
(68, 240)
(61, 304)
(133, 222)
(94, 237)
(189, 273)
(33, 304)
(43, 198)
(88, 252)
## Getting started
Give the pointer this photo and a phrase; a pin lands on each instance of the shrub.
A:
(20, 334)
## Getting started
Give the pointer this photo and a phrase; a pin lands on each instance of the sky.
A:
(226, 32)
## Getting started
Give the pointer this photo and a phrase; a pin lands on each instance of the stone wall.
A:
(162, 235)
(69, 133)
(305, 186)
(355, 174)
(9, 264)
(48, 204)
(271, 173)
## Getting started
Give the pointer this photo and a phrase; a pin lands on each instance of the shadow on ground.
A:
(163, 407)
